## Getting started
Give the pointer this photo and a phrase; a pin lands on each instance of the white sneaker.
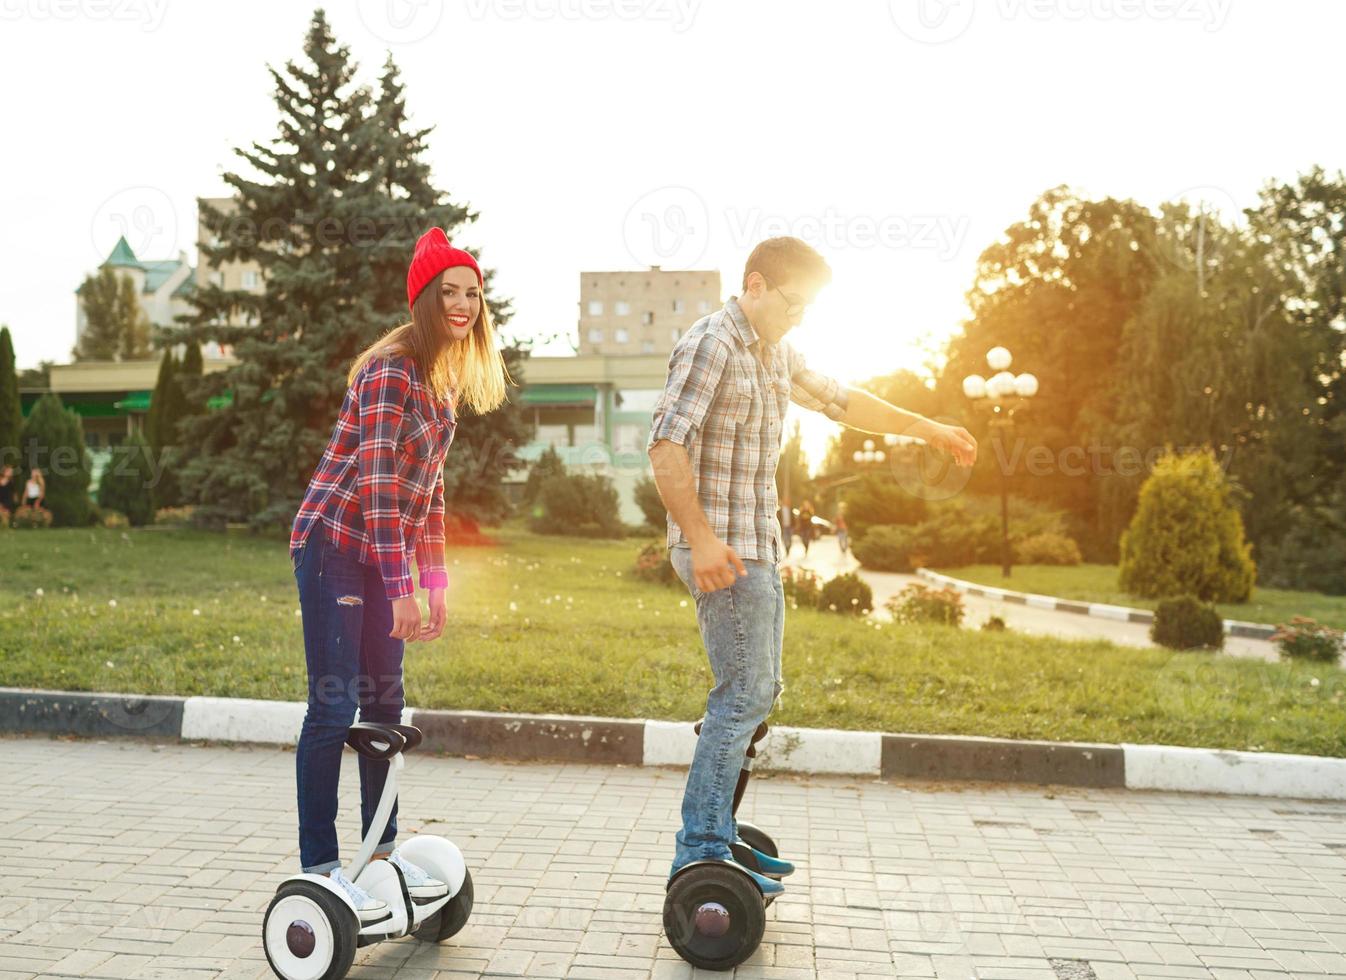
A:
(420, 885)
(367, 908)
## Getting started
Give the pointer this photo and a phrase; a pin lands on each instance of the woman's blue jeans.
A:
(742, 627)
(352, 663)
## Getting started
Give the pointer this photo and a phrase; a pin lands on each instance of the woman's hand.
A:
(406, 618)
(439, 612)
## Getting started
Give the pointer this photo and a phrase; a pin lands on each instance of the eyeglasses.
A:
(793, 304)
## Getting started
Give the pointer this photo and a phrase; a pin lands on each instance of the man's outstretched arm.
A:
(870, 413)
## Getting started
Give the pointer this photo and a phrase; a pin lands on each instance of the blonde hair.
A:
(468, 371)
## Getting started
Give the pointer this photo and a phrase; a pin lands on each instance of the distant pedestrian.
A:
(7, 489)
(843, 535)
(786, 530)
(806, 528)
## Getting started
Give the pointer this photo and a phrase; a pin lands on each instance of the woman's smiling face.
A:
(461, 297)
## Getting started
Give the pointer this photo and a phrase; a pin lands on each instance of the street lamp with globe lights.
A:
(1002, 394)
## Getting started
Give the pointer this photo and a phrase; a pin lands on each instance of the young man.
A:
(714, 446)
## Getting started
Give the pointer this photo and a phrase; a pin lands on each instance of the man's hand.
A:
(406, 618)
(953, 439)
(710, 565)
(439, 612)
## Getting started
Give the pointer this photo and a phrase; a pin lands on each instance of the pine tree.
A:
(159, 401)
(11, 412)
(189, 375)
(126, 482)
(343, 196)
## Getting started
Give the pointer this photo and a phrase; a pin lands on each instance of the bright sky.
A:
(899, 137)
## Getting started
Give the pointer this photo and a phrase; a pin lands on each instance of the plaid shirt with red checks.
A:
(378, 489)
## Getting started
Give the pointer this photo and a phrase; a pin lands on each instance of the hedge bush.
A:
(1187, 623)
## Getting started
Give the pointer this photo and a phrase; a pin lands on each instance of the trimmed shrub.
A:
(650, 503)
(579, 504)
(994, 624)
(802, 587)
(875, 501)
(174, 515)
(31, 517)
(1307, 639)
(1047, 549)
(919, 603)
(886, 548)
(652, 565)
(1187, 536)
(847, 593)
(125, 483)
(1187, 623)
(955, 537)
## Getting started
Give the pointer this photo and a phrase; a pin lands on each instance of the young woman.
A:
(35, 490)
(376, 495)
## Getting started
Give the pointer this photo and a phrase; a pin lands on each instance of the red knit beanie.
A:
(433, 255)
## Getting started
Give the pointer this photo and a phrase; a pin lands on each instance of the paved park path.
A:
(826, 559)
(133, 859)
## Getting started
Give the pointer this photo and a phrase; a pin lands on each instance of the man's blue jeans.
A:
(741, 627)
(352, 662)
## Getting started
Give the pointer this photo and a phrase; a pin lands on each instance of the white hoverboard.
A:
(311, 930)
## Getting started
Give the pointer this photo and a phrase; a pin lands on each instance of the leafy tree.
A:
(1057, 289)
(116, 325)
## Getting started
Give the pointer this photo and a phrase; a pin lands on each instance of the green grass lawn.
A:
(1098, 583)
(559, 625)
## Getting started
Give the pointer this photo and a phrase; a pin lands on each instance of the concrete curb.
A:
(614, 741)
(1124, 614)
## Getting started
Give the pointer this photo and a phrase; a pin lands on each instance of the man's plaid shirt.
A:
(725, 401)
(378, 489)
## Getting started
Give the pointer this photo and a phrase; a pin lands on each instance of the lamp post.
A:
(1001, 395)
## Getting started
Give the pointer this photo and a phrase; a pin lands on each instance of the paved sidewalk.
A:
(826, 559)
(134, 859)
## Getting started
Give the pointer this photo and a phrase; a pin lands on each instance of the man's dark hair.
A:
(787, 259)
